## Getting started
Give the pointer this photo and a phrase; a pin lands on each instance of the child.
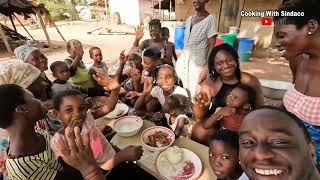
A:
(98, 65)
(151, 59)
(71, 108)
(60, 71)
(165, 33)
(177, 107)
(152, 96)
(224, 156)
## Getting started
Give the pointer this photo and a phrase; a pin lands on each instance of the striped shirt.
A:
(42, 166)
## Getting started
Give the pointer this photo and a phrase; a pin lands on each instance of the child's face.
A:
(96, 55)
(62, 72)
(73, 111)
(135, 62)
(155, 32)
(165, 35)
(237, 98)
(166, 78)
(223, 159)
(149, 64)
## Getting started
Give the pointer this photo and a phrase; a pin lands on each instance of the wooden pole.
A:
(54, 24)
(14, 26)
(24, 27)
(43, 26)
(5, 40)
(159, 8)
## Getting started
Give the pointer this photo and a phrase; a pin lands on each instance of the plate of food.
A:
(120, 110)
(157, 138)
(176, 163)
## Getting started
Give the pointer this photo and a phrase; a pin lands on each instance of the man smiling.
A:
(274, 144)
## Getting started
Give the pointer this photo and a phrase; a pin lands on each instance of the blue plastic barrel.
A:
(179, 37)
(245, 45)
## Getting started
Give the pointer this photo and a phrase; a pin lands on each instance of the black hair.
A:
(155, 22)
(70, 42)
(250, 92)
(223, 47)
(179, 102)
(309, 7)
(11, 96)
(92, 49)
(152, 53)
(158, 68)
(54, 65)
(292, 117)
(164, 29)
(229, 137)
(136, 56)
(57, 99)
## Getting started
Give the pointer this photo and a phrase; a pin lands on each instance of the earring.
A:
(309, 33)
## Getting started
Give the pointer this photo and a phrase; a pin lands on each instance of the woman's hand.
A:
(131, 153)
(139, 32)
(104, 80)
(226, 111)
(148, 85)
(79, 154)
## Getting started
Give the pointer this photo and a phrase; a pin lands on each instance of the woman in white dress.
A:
(199, 39)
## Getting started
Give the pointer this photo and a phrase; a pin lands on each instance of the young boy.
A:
(60, 71)
(98, 65)
(165, 33)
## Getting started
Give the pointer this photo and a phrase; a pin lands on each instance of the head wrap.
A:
(18, 73)
(23, 52)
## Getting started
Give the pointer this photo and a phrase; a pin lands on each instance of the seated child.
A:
(224, 155)
(71, 108)
(165, 81)
(151, 59)
(60, 71)
(239, 102)
(177, 107)
(169, 55)
(98, 64)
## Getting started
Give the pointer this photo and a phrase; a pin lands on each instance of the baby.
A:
(177, 107)
(61, 72)
(72, 109)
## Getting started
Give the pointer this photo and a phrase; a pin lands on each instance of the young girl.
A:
(177, 107)
(224, 156)
(98, 64)
(165, 81)
(71, 108)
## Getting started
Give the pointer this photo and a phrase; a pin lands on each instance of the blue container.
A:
(245, 45)
(179, 37)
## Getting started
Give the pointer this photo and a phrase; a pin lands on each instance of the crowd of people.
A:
(48, 129)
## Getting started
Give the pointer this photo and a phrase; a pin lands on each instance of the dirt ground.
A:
(112, 45)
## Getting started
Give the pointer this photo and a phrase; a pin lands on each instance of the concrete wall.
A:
(129, 10)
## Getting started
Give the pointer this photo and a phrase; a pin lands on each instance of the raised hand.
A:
(123, 58)
(107, 82)
(139, 32)
(148, 85)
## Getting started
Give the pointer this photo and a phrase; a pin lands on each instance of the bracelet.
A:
(94, 173)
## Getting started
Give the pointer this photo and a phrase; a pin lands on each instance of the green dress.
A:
(82, 76)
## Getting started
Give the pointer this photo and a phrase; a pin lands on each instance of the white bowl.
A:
(150, 131)
(120, 110)
(128, 126)
(274, 89)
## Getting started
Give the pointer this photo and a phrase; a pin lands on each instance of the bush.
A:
(58, 11)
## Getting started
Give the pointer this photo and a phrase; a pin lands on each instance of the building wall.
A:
(129, 10)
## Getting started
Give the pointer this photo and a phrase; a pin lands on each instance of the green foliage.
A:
(58, 9)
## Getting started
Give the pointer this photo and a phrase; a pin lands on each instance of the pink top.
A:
(101, 148)
(305, 107)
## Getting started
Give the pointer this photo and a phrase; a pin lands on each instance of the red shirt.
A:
(232, 122)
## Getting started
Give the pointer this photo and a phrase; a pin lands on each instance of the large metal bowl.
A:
(274, 89)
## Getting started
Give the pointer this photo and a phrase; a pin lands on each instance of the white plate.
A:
(188, 156)
(120, 110)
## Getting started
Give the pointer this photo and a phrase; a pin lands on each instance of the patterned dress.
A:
(193, 57)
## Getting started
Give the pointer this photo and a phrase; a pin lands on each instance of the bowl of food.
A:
(157, 138)
(274, 89)
(128, 125)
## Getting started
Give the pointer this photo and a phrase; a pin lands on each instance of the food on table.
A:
(176, 166)
(158, 139)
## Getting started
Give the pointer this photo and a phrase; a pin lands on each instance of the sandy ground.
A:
(112, 45)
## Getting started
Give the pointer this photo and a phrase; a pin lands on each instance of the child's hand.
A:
(123, 58)
(226, 111)
(132, 94)
(104, 80)
(148, 85)
(131, 153)
(139, 32)
(202, 100)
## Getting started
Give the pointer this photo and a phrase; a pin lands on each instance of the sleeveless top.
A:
(220, 99)
(187, 129)
(305, 107)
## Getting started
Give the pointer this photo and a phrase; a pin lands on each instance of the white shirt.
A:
(243, 177)
(157, 92)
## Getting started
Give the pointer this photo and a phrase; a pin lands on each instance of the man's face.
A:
(273, 147)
